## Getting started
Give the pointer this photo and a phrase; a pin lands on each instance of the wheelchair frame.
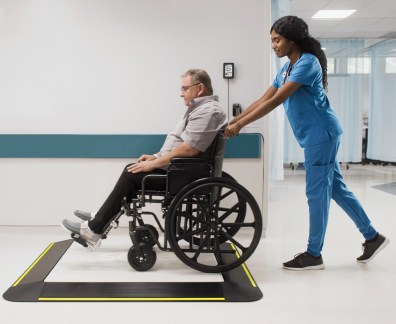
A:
(202, 216)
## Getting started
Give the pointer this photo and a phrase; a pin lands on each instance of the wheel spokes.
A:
(188, 235)
(209, 216)
(229, 211)
(231, 239)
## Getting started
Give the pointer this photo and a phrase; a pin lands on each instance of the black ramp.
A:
(29, 285)
(238, 285)
(133, 291)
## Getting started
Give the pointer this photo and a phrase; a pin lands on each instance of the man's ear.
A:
(201, 90)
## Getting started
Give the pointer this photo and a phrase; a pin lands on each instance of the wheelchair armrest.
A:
(183, 171)
(189, 161)
(152, 176)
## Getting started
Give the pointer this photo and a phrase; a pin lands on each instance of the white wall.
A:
(99, 66)
(113, 67)
(45, 191)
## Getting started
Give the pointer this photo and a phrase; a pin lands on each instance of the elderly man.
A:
(191, 137)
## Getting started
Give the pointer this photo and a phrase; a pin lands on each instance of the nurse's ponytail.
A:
(296, 29)
(312, 45)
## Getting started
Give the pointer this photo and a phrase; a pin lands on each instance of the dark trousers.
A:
(127, 186)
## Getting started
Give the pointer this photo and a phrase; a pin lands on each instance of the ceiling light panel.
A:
(333, 14)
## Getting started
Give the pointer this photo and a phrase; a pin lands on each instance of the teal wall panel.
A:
(107, 146)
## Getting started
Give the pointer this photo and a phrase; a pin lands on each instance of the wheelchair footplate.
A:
(77, 238)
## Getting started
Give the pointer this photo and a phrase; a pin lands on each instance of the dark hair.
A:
(296, 30)
(199, 75)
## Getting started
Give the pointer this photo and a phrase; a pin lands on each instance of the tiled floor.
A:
(345, 292)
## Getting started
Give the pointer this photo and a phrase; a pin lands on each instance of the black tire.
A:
(142, 257)
(144, 234)
(199, 214)
(241, 209)
(239, 218)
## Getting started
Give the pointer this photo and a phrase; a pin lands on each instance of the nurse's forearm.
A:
(245, 112)
(260, 111)
(266, 96)
(276, 98)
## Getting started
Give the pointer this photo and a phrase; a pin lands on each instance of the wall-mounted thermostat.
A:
(228, 70)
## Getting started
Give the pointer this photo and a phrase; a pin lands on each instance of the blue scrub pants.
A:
(323, 182)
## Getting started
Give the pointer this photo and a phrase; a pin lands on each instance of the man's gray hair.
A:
(201, 76)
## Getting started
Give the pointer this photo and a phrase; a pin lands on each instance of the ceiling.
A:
(374, 20)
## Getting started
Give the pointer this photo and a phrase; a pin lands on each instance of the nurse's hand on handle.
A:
(232, 130)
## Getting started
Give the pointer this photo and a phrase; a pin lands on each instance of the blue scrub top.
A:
(308, 109)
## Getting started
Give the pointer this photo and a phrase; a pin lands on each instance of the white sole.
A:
(382, 246)
(317, 267)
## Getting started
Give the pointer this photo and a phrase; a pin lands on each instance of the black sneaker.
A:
(304, 261)
(371, 249)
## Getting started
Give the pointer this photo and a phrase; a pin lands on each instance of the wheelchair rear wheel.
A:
(240, 212)
(210, 219)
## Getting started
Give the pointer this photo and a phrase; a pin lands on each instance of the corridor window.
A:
(330, 65)
(390, 65)
(361, 65)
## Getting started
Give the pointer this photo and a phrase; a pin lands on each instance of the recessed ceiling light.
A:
(333, 14)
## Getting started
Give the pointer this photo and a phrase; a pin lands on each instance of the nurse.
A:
(301, 87)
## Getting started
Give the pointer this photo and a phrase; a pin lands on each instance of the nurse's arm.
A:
(266, 96)
(265, 106)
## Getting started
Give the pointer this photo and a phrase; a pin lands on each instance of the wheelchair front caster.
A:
(144, 234)
(142, 257)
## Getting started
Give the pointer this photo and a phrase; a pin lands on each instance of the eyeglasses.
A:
(185, 88)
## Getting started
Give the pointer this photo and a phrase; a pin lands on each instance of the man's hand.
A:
(143, 166)
(148, 163)
(146, 157)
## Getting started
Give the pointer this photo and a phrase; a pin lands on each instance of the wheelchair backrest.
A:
(207, 164)
(217, 153)
(214, 154)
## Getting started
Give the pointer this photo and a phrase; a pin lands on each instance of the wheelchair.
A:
(211, 222)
